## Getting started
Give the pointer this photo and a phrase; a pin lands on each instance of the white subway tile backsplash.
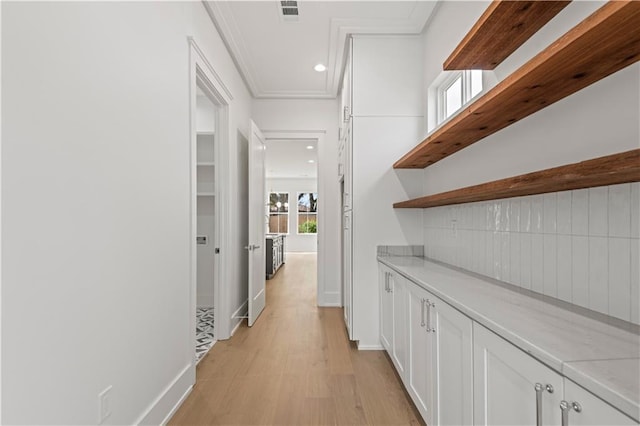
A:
(549, 213)
(514, 209)
(525, 214)
(598, 274)
(514, 258)
(619, 212)
(525, 260)
(580, 270)
(488, 253)
(478, 252)
(580, 246)
(564, 267)
(537, 263)
(620, 278)
(580, 212)
(635, 280)
(550, 255)
(505, 254)
(478, 216)
(490, 219)
(635, 209)
(563, 214)
(598, 209)
(537, 212)
(505, 208)
(497, 256)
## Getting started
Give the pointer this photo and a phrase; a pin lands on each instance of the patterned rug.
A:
(204, 331)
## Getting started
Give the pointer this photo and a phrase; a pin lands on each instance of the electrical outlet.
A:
(104, 404)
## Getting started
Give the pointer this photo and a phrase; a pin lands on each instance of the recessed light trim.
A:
(320, 68)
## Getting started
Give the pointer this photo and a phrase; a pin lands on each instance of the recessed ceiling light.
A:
(310, 161)
(320, 68)
(309, 146)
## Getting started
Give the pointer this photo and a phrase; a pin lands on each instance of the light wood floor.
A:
(295, 366)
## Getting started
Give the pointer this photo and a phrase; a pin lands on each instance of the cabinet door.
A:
(386, 310)
(347, 266)
(593, 411)
(505, 381)
(399, 292)
(348, 168)
(419, 375)
(453, 364)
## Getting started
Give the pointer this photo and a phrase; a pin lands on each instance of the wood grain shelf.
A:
(602, 44)
(609, 170)
(501, 29)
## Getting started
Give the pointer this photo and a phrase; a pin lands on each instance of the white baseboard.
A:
(330, 299)
(242, 311)
(377, 347)
(167, 403)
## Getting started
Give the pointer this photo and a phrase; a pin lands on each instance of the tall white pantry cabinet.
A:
(381, 119)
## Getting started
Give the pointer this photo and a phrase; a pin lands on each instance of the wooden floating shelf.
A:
(602, 44)
(501, 29)
(609, 170)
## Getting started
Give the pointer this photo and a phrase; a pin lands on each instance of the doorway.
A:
(209, 98)
(292, 197)
(207, 236)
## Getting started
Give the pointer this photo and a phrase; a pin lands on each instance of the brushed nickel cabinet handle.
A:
(539, 388)
(422, 312)
(565, 407)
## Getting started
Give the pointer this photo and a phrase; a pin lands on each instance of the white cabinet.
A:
(440, 373)
(393, 317)
(582, 408)
(510, 387)
(371, 140)
(386, 309)
(398, 287)
(453, 369)
(420, 378)
(347, 291)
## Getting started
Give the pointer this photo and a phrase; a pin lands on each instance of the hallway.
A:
(296, 367)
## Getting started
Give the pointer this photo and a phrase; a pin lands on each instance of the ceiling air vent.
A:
(289, 10)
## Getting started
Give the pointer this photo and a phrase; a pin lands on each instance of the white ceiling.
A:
(290, 159)
(276, 57)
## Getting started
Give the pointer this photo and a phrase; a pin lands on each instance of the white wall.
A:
(548, 257)
(295, 242)
(95, 196)
(319, 116)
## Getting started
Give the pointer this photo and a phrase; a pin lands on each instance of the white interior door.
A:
(257, 211)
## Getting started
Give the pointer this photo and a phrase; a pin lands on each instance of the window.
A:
(307, 213)
(278, 213)
(456, 91)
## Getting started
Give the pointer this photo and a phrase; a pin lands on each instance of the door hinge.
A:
(217, 250)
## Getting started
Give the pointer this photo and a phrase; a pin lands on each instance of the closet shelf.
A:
(501, 29)
(602, 44)
(609, 170)
(206, 194)
(206, 163)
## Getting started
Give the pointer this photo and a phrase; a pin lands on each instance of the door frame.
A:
(202, 73)
(319, 136)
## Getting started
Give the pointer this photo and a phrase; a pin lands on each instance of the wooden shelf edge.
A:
(502, 28)
(605, 42)
(612, 169)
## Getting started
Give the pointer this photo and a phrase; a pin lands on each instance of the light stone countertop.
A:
(600, 357)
